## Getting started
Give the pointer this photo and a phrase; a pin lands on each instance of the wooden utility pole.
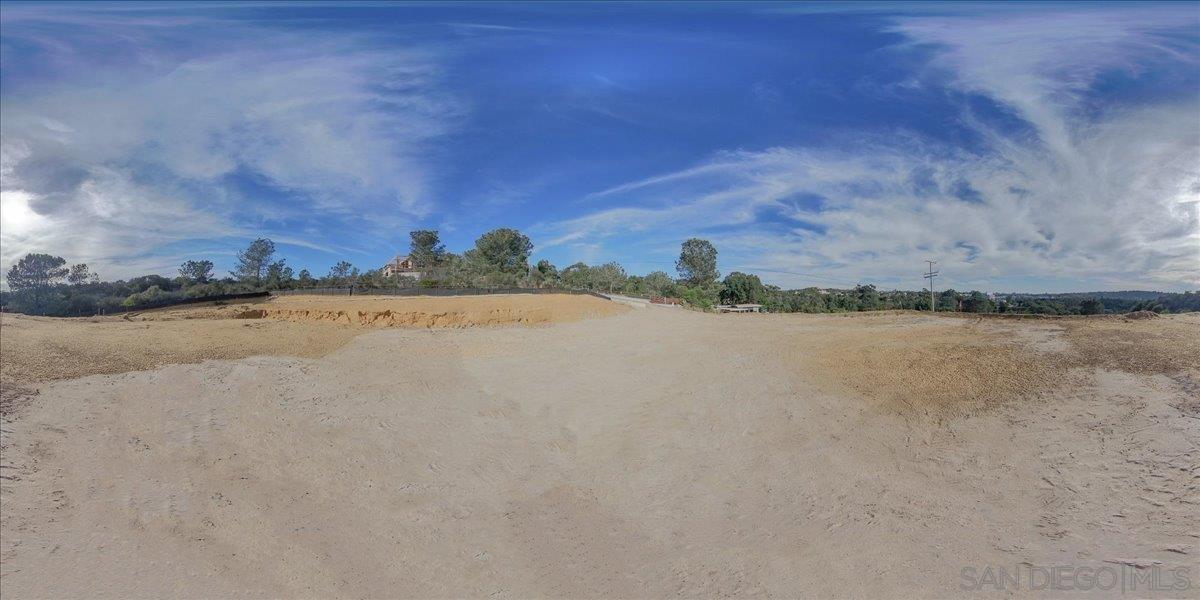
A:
(930, 275)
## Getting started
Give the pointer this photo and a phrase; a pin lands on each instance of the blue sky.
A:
(1029, 147)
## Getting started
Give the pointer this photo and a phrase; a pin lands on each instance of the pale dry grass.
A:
(959, 365)
(1167, 345)
(936, 369)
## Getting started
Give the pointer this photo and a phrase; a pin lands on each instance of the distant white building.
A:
(401, 266)
(739, 308)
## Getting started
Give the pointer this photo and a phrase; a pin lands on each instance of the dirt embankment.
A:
(456, 312)
(34, 350)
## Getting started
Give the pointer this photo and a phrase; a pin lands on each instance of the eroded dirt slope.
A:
(34, 350)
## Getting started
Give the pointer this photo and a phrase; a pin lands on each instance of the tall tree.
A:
(578, 275)
(505, 250)
(978, 302)
(547, 269)
(342, 273)
(948, 300)
(79, 274)
(36, 271)
(697, 264)
(279, 274)
(253, 262)
(545, 273)
(610, 275)
(35, 275)
(197, 271)
(742, 288)
(868, 297)
(426, 249)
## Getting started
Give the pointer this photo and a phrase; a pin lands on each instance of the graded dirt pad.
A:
(419, 311)
(39, 349)
(653, 453)
(34, 350)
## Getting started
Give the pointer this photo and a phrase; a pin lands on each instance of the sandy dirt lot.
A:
(41, 349)
(641, 453)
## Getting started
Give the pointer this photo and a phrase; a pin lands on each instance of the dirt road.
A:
(650, 453)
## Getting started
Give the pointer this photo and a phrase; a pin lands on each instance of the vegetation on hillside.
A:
(42, 284)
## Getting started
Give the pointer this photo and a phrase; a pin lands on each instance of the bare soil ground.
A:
(460, 311)
(39, 349)
(649, 453)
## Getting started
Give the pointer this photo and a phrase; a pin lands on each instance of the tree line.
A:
(43, 284)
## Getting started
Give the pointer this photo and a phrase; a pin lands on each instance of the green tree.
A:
(699, 297)
(426, 249)
(697, 264)
(34, 277)
(504, 250)
(279, 275)
(948, 301)
(610, 275)
(342, 273)
(545, 273)
(868, 297)
(253, 262)
(305, 279)
(150, 295)
(742, 288)
(659, 283)
(35, 271)
(578, 275)
(197, 271)
(842, 301)
(807, 300)
(79, 274)
(978, 302)
(1091, 306)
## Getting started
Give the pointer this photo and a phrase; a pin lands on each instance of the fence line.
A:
(184, 301)
(351, 291)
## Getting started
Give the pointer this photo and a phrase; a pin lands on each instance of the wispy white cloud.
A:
(1107, 198)
(250, 131)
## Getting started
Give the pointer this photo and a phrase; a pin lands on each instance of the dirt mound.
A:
(405, 318)
(434, 312)
(41, 349)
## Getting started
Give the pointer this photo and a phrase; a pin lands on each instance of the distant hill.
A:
(1132, 295)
